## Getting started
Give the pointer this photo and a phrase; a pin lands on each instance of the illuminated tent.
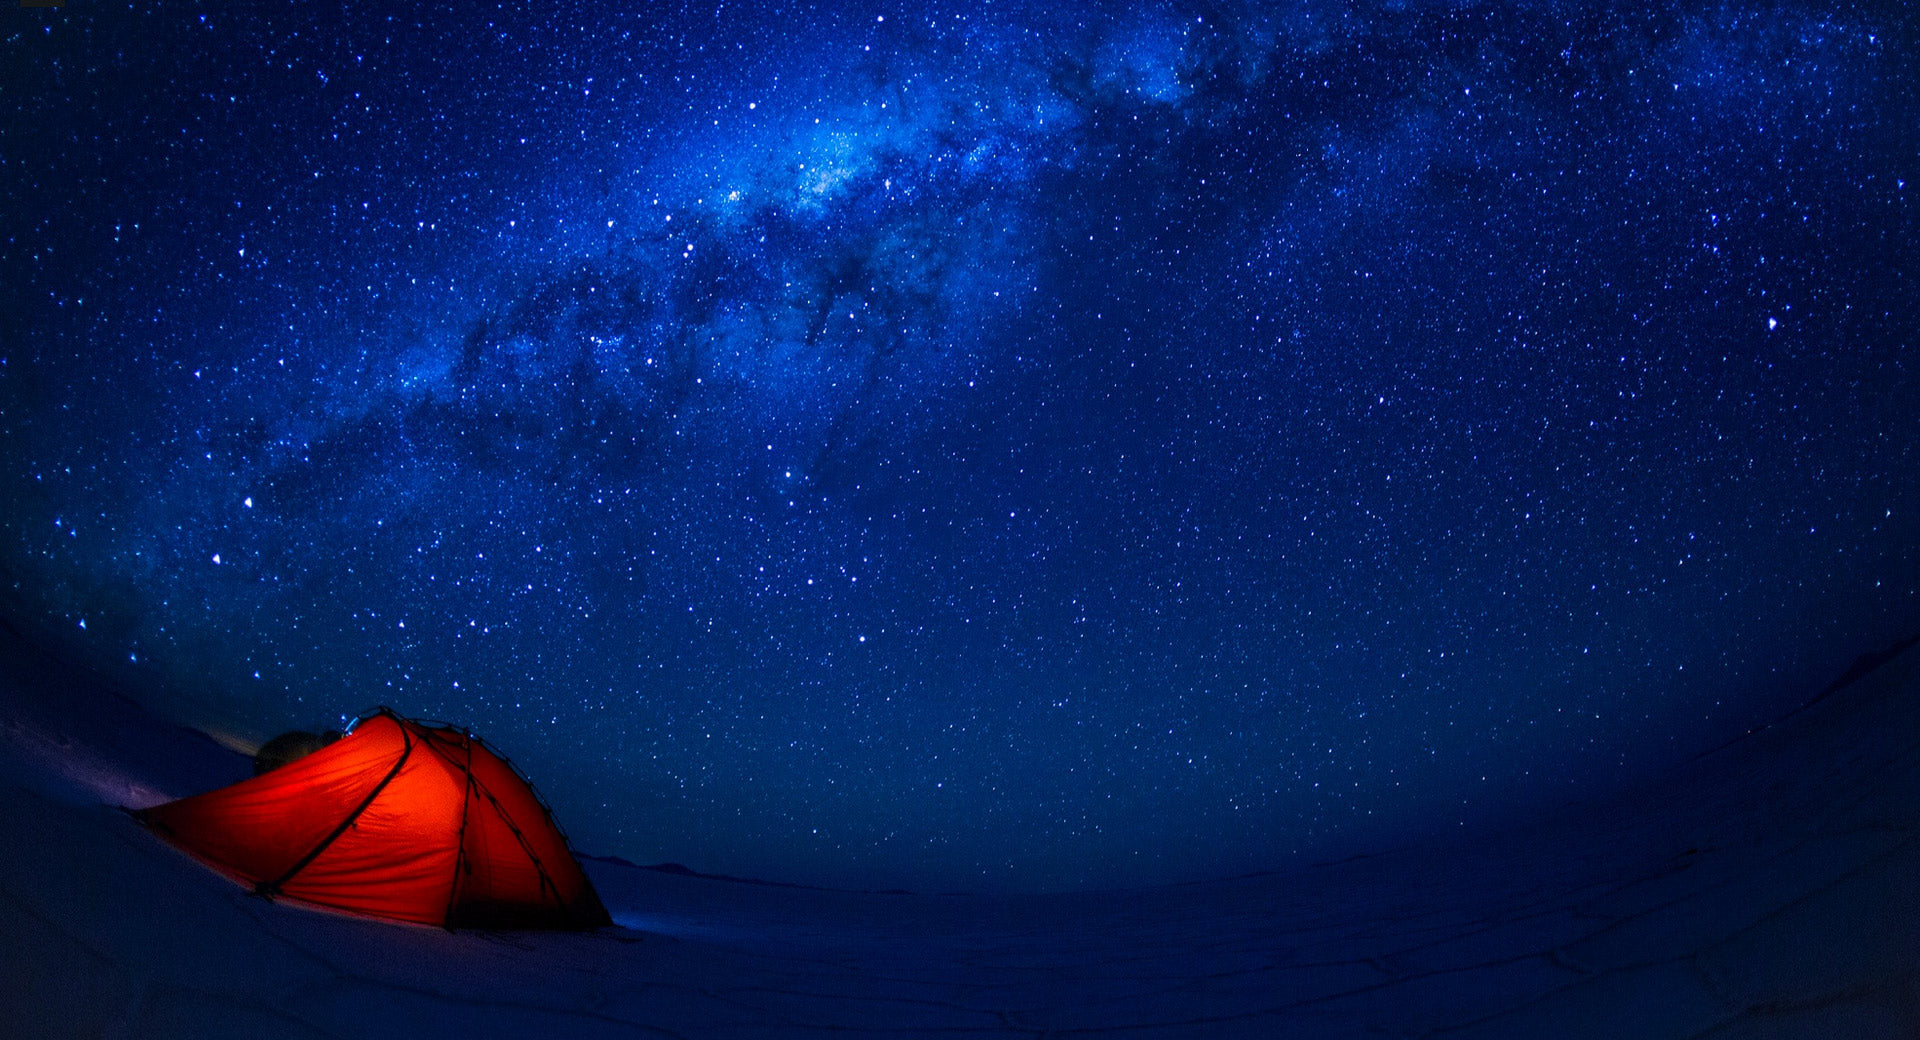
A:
(398, 819)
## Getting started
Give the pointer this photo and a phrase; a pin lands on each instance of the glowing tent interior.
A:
(401, 820)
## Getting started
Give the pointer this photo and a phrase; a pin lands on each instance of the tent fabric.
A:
(399, 819)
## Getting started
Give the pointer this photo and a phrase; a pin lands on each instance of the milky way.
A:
(987, 446)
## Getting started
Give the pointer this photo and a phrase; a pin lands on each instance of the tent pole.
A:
(269, 889)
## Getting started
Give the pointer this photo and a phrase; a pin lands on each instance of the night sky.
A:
(971, 446)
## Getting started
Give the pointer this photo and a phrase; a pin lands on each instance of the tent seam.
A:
(460, 841)
(546, 880)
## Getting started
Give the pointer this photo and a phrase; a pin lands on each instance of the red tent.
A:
(398, 819)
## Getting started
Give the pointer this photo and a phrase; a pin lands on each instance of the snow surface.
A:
(1768, 889)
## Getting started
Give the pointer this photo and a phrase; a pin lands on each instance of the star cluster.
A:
(977, 446)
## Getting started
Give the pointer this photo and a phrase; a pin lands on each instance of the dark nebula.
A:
(973, 446)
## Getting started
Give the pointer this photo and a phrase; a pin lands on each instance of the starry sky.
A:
(971, 446)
